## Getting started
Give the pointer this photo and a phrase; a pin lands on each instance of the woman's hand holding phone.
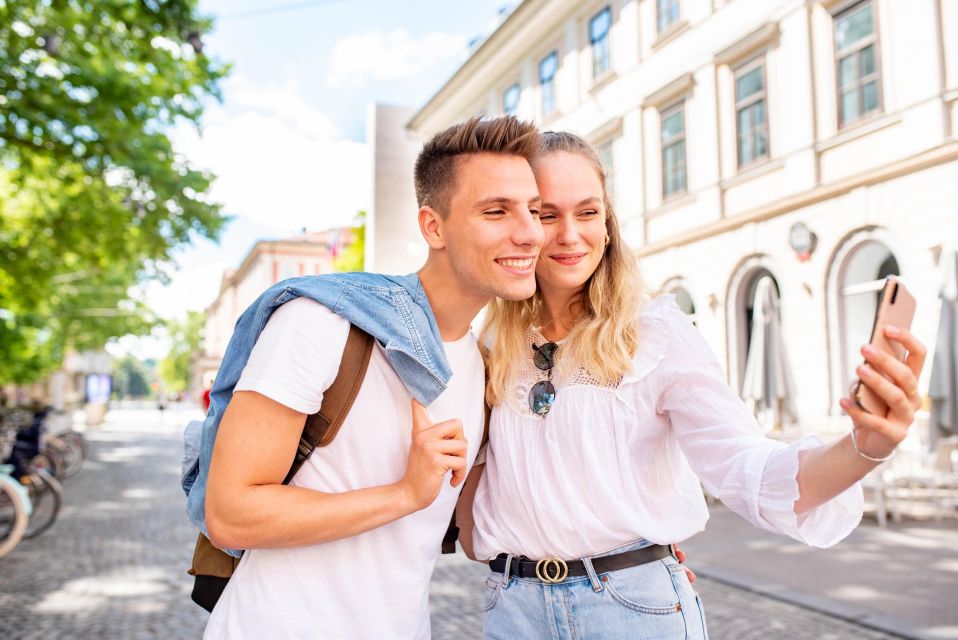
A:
(896, 383)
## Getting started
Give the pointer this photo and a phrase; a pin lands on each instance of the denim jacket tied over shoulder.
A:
(392, 309)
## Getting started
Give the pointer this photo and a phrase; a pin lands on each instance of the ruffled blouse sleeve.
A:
(753, 475)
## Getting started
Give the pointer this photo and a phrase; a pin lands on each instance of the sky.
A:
(287, 143)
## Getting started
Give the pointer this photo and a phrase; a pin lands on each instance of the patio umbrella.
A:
(944, 369)
(768, 385)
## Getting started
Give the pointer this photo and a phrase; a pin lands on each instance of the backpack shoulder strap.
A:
(452, 532)
(322, 427)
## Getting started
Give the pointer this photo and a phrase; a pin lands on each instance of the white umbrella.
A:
(944, 369)
(768, 385)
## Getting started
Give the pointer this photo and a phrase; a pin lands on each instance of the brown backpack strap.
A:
(322, 427)
(452, 533)
(212, 567)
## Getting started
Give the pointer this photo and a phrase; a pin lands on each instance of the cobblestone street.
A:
(114, 565)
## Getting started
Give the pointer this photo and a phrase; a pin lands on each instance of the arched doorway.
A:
(740, 310)
(855, 280)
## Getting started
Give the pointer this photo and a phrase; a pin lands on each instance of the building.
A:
(809, 141)
(393, 241)
(268, 262)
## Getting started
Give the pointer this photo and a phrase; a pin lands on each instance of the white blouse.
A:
(611, 465)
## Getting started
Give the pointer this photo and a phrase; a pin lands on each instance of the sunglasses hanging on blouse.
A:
(543, 393)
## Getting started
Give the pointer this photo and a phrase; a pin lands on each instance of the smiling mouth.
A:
(517, 264)
(569, 259)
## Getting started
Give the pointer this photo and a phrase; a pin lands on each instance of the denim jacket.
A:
(392, 309)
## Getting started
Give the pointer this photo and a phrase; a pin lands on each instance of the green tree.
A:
(130, 378)
(93, 198)
(352, 258)
(186, 338)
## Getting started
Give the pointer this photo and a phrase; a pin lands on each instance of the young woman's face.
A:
(573, 218)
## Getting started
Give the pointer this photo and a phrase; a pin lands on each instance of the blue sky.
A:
(288, 141)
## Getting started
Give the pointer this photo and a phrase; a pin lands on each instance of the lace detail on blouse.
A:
(528, 375)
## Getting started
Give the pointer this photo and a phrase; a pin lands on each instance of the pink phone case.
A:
(896, 308)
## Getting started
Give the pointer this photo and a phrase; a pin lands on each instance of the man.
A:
(346, 550)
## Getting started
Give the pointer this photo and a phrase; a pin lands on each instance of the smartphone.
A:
(896, 308)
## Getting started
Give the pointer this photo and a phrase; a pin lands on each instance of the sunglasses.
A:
(543, 393)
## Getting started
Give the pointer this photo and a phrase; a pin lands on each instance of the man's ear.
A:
(430, 225)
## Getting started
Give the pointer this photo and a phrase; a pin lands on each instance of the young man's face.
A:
(492, 230)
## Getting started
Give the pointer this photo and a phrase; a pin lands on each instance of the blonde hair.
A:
(604, 337)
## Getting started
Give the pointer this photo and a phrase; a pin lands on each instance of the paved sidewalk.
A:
(114, 565)
(901, 578)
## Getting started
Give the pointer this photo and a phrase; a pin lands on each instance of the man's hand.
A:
(435, 450)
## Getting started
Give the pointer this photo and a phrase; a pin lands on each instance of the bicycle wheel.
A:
(13, 514)
(70, 452)
(50, 461)
(46, 494)
(76, 438)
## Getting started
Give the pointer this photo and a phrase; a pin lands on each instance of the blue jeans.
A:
(653, 601)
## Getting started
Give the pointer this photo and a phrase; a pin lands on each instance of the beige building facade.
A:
(810, 141)
(268, 262)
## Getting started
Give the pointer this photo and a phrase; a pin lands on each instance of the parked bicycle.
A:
(34, 467)
(15, 504)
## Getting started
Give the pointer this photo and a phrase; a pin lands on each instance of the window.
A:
(547, 74)
(673, 150)
(856, 53)
(751, 119)
(599, 27)
(604, 151)
(668, 13)
(510, 99)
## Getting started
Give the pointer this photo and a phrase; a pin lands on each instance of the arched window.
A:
(684, 299)
(678, 287)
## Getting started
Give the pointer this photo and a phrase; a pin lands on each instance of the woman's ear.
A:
(430, 225)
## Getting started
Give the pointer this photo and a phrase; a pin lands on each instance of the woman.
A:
(608, 411)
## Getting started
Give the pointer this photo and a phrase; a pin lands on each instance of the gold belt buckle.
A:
(552, 570)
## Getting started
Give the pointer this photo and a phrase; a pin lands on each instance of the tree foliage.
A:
(353, 256)
(93, 198)
(185, 338)
(131, 378)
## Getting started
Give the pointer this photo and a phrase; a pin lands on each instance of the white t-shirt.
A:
(609, 465)
(374, 585)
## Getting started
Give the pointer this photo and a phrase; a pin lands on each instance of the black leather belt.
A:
(554, 570)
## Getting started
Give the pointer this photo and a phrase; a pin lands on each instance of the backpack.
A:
(211, 567)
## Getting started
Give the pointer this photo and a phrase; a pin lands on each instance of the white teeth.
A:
(516, 264)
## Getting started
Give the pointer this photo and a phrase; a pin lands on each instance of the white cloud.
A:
(396, 55)
(281, 165)
(279, 161)
(191, 287)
